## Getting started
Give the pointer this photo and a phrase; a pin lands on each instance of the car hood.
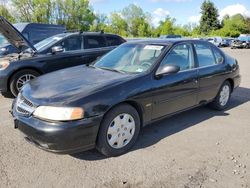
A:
(68, 85)
(13, 36)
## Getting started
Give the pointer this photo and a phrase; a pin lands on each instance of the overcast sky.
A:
(183, 10)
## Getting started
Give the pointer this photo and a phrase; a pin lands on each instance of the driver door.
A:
(179, 91)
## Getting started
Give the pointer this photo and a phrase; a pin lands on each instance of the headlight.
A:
(59, 113)
(4, 64)
(3, 49)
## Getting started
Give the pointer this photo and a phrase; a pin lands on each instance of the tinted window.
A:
(181, 55)
(71, 43)
(205, 55)
(94, 42)
(113, 41)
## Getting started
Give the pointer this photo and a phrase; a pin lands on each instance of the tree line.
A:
(131, 21)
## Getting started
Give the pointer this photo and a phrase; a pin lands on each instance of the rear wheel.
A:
(119, 131)
(20, 78)
(223, 97)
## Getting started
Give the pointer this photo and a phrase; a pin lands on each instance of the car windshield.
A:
(131, 58)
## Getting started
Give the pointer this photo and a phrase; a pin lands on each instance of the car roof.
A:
(164, 41)
(89, 33)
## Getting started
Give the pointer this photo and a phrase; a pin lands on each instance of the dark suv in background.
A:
(54, 53)
(34, 32)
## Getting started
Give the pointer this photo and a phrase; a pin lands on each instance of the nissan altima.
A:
(104, 105)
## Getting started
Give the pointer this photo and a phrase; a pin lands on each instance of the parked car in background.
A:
(217, 41)
(54, 53)
(243, 41)
(105, 105)
(226, 42)
(33, 32)
(170, 36)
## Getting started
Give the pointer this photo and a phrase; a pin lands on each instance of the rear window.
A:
(94, 42)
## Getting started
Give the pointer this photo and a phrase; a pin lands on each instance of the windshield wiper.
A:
(110, 69)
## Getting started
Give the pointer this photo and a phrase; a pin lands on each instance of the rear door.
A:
(211, 68)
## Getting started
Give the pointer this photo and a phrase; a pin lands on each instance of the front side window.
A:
(94, 42)
(131, 58)
(181, 55)
(71, 43)
(44, 44)
(205, 55)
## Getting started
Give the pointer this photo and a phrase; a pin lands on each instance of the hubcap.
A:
(224, 95)
(121, 131)
(23, 80)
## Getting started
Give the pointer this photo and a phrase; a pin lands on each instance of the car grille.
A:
(24, 106)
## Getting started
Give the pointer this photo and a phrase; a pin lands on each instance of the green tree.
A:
(166, 27)
(137, 21)
(74, 14)
(232, 26)
(5, 13)
(209, 17)
(100, 23)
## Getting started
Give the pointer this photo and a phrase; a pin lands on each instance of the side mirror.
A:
(57, 49)
(167, 69)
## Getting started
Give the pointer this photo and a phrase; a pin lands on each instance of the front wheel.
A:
(223, 97)
(20, 78)
(119, 131)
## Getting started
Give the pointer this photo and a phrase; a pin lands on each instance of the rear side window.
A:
(218, 57)
(113, 41)
(205, 55)
(94, 42)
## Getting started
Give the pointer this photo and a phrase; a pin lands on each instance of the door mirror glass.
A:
(57, 49)
(168, 69)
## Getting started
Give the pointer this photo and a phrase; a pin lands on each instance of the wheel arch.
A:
(231, 81)
(23, 68)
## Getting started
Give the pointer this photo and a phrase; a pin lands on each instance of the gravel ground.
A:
(198, 148)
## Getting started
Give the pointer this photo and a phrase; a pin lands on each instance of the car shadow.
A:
(154, 132)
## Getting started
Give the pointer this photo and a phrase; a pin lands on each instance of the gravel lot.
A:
(198, 148)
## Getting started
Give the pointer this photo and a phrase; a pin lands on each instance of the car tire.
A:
(222, 99)
(119, 131)
(20, 75)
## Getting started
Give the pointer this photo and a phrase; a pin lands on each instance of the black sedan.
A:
(54, 53)
(105, 105)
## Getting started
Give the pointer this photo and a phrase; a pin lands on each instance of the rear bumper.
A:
(59, 137)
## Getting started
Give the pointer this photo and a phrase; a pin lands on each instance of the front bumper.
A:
(3, 83)
(59, 137)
